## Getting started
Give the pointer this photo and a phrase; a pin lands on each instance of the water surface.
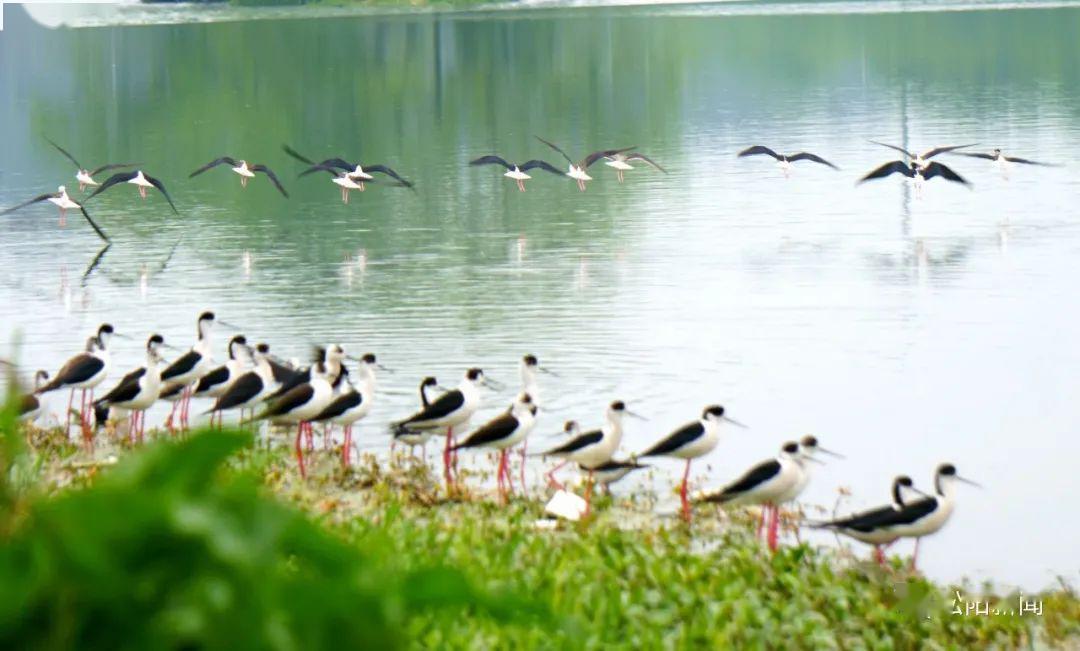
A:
(902, 331)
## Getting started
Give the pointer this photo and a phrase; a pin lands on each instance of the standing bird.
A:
(299, 405)
(808, 447)
(593, 448)
(621, 162)
(190, 367)
(916, 172)
(577, 171)
(85, 176)
(136, 391)
(244, 170)
(689, 442)
(784, 161)
(138, 179)
(251, 388)
(928, 515)
(61, 200)
(517, 173)
(352, 404)
(872, 526)
(218, 380)
(764, 484)
(502, 433)
(84, 371)
(29, 404)
(451, 409)
(924, 157)
(529, 369)
(1003, 161)
(419, 437)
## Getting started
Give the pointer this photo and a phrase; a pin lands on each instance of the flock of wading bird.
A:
(352, 176)
(261, 388)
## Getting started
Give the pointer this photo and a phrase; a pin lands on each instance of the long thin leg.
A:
(620, 176)
(774, 528)
(521, 185)
(446, 459)
(300, 450)
(551, 476)
(879, 555)
(588, 496)
(915, 556)
(71, 401)
(682, 492)
(346, 447)
(524, 447)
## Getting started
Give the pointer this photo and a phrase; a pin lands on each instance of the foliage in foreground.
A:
(167, 551)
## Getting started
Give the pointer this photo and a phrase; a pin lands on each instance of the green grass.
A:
(208, 541)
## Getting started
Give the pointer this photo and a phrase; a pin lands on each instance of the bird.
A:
(251, 388)
(451, 409)
(915, 171)
(612, 471)
(245, 171)
(428, 383)
(871, 526)
(502, 433)
(926, 516)
(419, 437)
(136, 391)
(592, 448)
(1003, 161)
(764, 484)
(218, 380)
(516, 172)
(29, 404)
(138, 179)
(577, 171)
(352, 404)
(693, 440)
(924, 157)
(61, 200)
(529, 368)
(353, 171)
(190, 367)
(304, 401)
(808, 447)
(84, 371)
(621, 162)
(784, 161)
(85, 176)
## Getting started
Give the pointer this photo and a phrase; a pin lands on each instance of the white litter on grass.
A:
(566, 505)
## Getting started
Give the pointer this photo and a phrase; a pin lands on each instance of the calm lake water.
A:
(902, 331)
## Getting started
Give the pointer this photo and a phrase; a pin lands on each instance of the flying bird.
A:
(245, 171)
(61, 200)
(918, 173)
(85, 176)
(784, 161)
(514, 172)
(577, 171)
(138, 179)
(621, 162)
(1003, 161)
(923, 157)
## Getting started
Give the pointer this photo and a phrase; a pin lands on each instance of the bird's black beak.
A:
(829, 452)
(734, 422)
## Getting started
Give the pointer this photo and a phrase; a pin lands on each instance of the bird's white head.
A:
(62, 190)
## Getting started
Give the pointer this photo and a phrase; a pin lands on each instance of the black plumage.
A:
(340, 405)
(126, 390)
(124, 177)
(680, 438)
(496, 429)
(217, 376)
(753, 478)
(182, 365)
(291, 400)
(246, 387)
(440, 408)
(79, 368)
(577, 443)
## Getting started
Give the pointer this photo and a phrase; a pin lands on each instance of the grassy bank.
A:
(211, 540)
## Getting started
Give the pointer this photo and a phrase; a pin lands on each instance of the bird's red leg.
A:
(142, 192)
(446, 459)
(63, 217)
(551, 476)
(879, 555)
(774, 528)
(71, 401)
(682, 492)
(300, 449)
(915, 556)
(521, 185)
(524, 446)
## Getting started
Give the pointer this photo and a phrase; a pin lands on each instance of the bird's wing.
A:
(891, 167)
(895, 148)
(863, 521)
(270, 175)
(119, 177)
(127, 389)
(214, 163)
(181, 365)
(937, 169)
(645, 159)
(757, 150)
(496, 429)
(290, 400)
(79, 368)
(161, 187)
(910, 513)
(110, 166)
(607, 153)
(754, 477)
(677, 439)
(441, 407)
(338, 163)
(320, 168)
(1024, 161)
(213, 378)
(941, 150)
(93, 224)
(803, 155)
(282, 373)
(65, 153)
(539, 164)
(976, 155)
(340, 405)
(246, 387)
(389, 172)
(576, 443)
(297, 155)
(555, 147)
(40, 197)
(491, 159)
